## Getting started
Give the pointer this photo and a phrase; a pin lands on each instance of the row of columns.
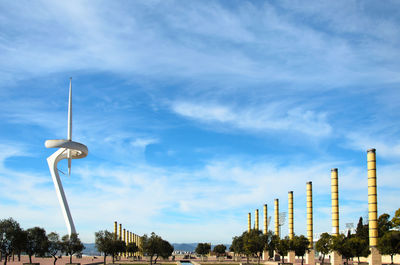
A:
(127, 237)
(374, 258)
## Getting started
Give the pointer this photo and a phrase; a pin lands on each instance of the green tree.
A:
(8, 232)
(118, 246)
(384, 224)
(272, 244)
(132, 247)
(341, 244)
(282, 248)
(54, 245)
(300, 245)
(254, 242)
(324, 245)
(219, 250)
(362, 230)
(359, 247)
(36, 242)
(203, 249)
(104, 242)
(151, 245)
(396, 219)
(166, 249)
(389, 244)
(20, 242)
(72, 245)
(237, 245)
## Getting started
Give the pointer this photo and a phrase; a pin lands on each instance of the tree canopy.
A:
(71, 245)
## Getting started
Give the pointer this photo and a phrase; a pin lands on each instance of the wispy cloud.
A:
(271, 117)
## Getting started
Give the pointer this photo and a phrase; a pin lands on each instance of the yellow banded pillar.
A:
(310, 256)
(291, 254)
(277, 217)
(248, 222)
(120, 236)
(375, 257)
(115, 230)
(127, 242)
(124, 239)
(336, 259)
(256, 220)
(265, 231)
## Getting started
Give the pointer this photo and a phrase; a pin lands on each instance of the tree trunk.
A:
(105, 257)
(155, 261)
(358, 260)
(151, 260)
(391, 256)
(70, 258)
(302, 258)
(247, 259)
(323, 258)
(19, 256)
(5, 260)
(30, 259)
(113, 258)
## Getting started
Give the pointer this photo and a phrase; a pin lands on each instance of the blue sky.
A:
(196, 113)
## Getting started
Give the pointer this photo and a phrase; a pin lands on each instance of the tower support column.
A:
(375, 257)
(256, 225)
(265, 254)
(291, 254)
(248, 222)
(336, 259)
(310, 256)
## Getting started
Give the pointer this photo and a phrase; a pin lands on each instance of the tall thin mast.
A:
(70, 111)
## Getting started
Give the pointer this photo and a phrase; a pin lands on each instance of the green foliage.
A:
(9, 229)
(36, 242)
(300, 245)
(166, 249)
(384, 224)
(362, 230)
(341, 244)
(132, 247)
(203, 249)
(396, 219)
(156, 246)
(359, 247)
(105, 243)
(272, 242)
(324, 245)
(237, 245)
(254, 243)
(71, 245)
(54, 245)
(282, 247)
(389, 244)
(219, 250)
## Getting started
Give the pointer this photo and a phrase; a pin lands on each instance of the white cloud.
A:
(271, 117)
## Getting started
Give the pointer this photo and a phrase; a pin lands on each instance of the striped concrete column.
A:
(249, 222)
(265, 219)
(277, 217)
(310, 257)
(120, 232)
(375, 257)
(290, 210)
(336, 259)
(115, 230)
(291, 254)
(256, 220)
(265, 254)
(124, 239)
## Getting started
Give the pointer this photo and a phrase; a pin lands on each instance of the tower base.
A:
(291, 257)
(310, 257)
(336, 259)
(265, 255)
(375, 257)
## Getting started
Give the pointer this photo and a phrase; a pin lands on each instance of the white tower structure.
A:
(68, 149)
